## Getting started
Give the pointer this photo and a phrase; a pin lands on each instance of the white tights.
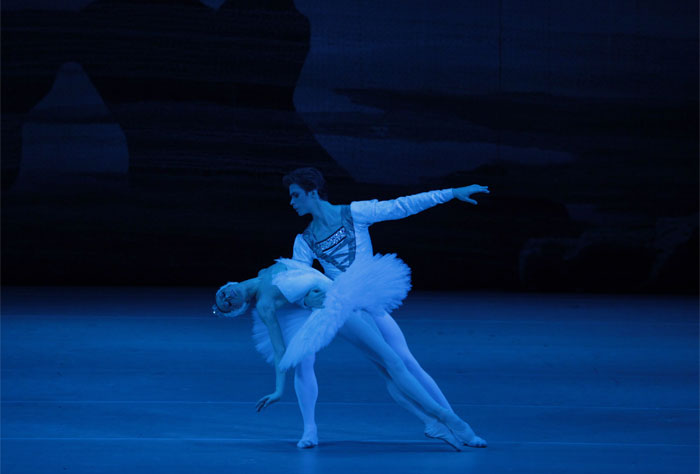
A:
(363, 332)
(397, 341)
(306, 388)
(381, 339)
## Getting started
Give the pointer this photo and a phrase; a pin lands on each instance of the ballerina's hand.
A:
(267, 400)
(463, 193)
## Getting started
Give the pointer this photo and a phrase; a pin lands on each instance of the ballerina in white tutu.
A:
(290, 337)
(339, 235)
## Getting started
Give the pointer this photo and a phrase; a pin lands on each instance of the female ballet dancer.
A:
(338, 234)
(380, 284)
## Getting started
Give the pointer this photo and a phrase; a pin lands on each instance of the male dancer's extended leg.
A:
(394, 337)
(306, 388)
(433, 428)
(361, 330)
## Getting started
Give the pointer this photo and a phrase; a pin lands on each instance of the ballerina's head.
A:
(231, 301)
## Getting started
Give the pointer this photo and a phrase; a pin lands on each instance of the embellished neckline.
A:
(341, 227)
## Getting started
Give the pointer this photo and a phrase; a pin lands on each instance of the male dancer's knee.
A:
(411, 363)
(304, 372)
(393, 364)
(305, 376)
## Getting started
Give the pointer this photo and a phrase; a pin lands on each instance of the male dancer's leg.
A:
(361, 330)
(433, 427)
(393, 335)
(391, 387)
(306, 389)
(397, 341)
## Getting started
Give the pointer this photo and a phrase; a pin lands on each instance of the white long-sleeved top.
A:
(337, 252)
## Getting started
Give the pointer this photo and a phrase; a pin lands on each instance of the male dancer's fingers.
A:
(315, 298)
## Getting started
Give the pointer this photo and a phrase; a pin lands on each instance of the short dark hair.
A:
(307, 179)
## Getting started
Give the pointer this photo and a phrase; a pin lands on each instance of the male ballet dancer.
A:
(338, 234)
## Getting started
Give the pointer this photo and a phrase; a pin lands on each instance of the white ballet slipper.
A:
(436, 430)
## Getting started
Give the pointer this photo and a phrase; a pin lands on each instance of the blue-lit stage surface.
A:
(135, 380)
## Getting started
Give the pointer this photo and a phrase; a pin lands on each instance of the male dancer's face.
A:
(300, 199)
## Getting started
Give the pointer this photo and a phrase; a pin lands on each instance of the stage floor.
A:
(119, 380)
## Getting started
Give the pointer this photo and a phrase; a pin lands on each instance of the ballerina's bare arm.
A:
(269, 300)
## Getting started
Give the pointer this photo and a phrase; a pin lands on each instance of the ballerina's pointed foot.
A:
(309, 439)
(437, 430)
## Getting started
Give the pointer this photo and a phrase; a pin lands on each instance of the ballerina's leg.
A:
(306, 388)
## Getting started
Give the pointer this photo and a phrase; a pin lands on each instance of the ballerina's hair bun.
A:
(229, 310)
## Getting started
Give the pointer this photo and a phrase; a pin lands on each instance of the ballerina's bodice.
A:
(298, 279)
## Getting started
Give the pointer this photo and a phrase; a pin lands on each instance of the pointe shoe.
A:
(468, 438)
(437, 430)
(476, 442)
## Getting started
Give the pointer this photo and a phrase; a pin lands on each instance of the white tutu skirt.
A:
(376, 284)
(290, 320)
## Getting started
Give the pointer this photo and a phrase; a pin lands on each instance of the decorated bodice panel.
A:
(339, 248)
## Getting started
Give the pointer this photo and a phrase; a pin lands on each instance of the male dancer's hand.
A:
(463, 193)
(314, 298)
(267, 400)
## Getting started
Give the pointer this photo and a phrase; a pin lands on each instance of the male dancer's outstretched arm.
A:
(369, 212)
(366, 213)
